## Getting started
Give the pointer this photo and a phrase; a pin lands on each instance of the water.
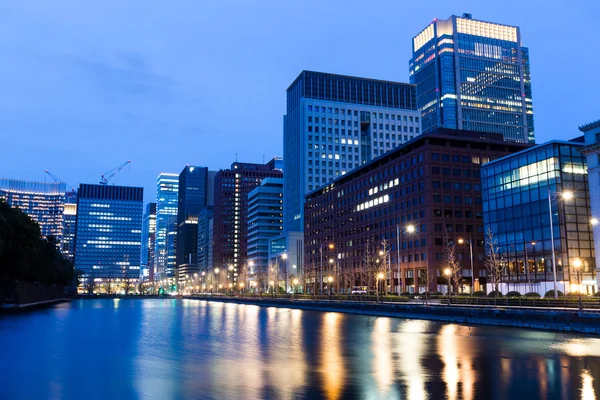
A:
(188, 349)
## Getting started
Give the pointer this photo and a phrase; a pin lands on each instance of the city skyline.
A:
(138, 91)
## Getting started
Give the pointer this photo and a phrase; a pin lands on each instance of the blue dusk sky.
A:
(88, 85)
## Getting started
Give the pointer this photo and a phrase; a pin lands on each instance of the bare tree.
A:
(385, 267)
(450, 261)
(126, 286)
(492, 263)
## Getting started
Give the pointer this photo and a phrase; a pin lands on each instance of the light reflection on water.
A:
(179, 349)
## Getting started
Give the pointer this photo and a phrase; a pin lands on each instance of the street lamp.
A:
(594, 221)
(566, 196)
(329, 282)
(379, 276)
(284, 257)
(470, 243)
(295, 287)
(448, 273)
(272, 284)
(408, 229)
(241, 285)
(577, 265)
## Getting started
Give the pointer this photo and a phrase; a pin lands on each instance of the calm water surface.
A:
(187, 349)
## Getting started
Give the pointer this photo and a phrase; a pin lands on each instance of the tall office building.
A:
(148, 243)
(230, 221)
(537, 202)
(473, 75)
(67, 244)
(591, 150)
(167, 189)
(108, 234)
(196, 186)
(204, 235)
(265, 219)
(333, 124)
(43, 202)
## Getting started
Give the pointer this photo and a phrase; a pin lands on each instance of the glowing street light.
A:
(566, 195)
(272, 284)
(577, 264)
(329, 283)
(594, 221)
(379, 277)
(448, 272)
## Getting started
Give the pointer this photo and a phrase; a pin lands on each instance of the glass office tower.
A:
(167, 189)
(516, 193)
(473, 75)
(108, 235)
(148, 243)
(44, 202)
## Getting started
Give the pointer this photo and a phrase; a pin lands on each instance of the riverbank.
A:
(549, 320)
(18, 296)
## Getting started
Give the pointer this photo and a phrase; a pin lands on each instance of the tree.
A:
(450, 261)
(386, 267)
(492, 263)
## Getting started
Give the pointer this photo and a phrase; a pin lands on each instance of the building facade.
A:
(67, 244)
(44, 202)
(108, 235)
(147, 261)
(335, 123)
(407, 204)
(265, 220)
(473, 75)
(530, 196)
(196, 185)
(230, 221)
(591, 150)
(167, 189)
(204, 239)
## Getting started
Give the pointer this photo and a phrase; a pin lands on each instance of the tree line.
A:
(27, 256)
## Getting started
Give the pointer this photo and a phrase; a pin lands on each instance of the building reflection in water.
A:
(332, 365)
(455, 349)
(411, 345)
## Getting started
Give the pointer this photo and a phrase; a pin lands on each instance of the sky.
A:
(87, 85)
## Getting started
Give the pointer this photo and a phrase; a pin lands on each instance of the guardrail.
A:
(523, 302)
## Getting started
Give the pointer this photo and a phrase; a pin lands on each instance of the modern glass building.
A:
(67, 244)
(44, 202)
(265, 220)
(148, 243)
(591, 150)
(167, 189)
(108, 235)
(205, 243)
(531, 199)
(196, 191)
(473, 75)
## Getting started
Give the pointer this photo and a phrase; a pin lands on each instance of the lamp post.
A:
(565, 196)
(241, 284)
(272, 283)
(284, 258)
(448, 274)
(379, 276)
(577, 265)
(329, 284)
(217, 273)
(470, 243)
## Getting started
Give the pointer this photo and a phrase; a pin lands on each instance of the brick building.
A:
(421, 190)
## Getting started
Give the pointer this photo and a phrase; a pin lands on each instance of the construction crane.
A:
(113, 172)
(58, 180)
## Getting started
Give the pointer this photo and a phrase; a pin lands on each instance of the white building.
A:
(592, 152)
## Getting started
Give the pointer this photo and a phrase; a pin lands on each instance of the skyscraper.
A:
(148, 243)
(230, 221)
(196, 186)
(67, 244)
(167, 189)
(108, 235)
(204, 235)
(335, 123)
(43, 202)
(473, 75)
(265, 219)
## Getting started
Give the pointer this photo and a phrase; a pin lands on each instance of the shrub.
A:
(513, 294)
(533, 294)
(406, 294)
(550, 293)
(436, 293)
(479, 293)
(495, 294)
(597, 294)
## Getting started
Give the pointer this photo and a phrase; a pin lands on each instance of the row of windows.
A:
(456, 185)
(457, 158)
(457, 199)
(456, 172)
(342, 111)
